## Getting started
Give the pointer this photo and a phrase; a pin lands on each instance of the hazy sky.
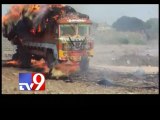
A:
(111, 12)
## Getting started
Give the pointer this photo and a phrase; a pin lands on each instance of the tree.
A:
(125, 23)
(152, 28)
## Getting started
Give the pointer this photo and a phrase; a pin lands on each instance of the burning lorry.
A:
(57, 33)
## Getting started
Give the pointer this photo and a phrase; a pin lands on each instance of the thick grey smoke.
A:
(40, 15)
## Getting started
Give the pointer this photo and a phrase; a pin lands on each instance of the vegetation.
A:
(125, 23)
(152, 28)
(118, 37)
(133, 24)
(128, 30)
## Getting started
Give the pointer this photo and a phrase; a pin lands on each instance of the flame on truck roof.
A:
(59, 13)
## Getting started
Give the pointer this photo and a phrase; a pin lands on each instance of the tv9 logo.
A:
(31, 81)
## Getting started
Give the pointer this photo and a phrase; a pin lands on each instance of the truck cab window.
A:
(68, 30)
(83, 30)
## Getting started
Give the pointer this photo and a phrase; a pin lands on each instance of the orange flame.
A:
(13, 62)
(40, 64)
(13, 14)
(39, 28)
(67, 68)
(34, 8)
(4, 19)
(15, 11)
(34, 63)
(55, 17)
(33, 31)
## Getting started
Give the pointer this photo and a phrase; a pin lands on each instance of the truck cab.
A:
(74, 44)
(74, 39)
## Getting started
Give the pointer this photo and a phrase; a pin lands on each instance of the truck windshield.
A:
(68, 30)
(83, 30)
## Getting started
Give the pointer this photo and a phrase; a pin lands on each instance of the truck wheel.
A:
(15, 56)
(50, 59)
(26, 61)
(84, 64)
(37, 58)
(25, 58)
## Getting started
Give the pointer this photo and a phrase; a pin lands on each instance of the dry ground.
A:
(131, 69)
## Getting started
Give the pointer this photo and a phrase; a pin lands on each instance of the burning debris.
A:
(12, 63)
(34, 63)
(105, 82)
(40, 65)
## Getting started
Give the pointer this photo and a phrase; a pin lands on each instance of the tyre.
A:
(15, 56)
(84, 64)
(51, 62)
(24, 57)
(50, 59)
(37, 58)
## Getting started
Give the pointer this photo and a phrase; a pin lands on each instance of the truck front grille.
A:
(74, 45)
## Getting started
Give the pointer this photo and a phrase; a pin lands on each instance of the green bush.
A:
(137, 42)
(123, 41)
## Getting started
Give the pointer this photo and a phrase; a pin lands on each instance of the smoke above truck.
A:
(28, 20)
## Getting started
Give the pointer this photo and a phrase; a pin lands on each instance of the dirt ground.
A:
(115, 69)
